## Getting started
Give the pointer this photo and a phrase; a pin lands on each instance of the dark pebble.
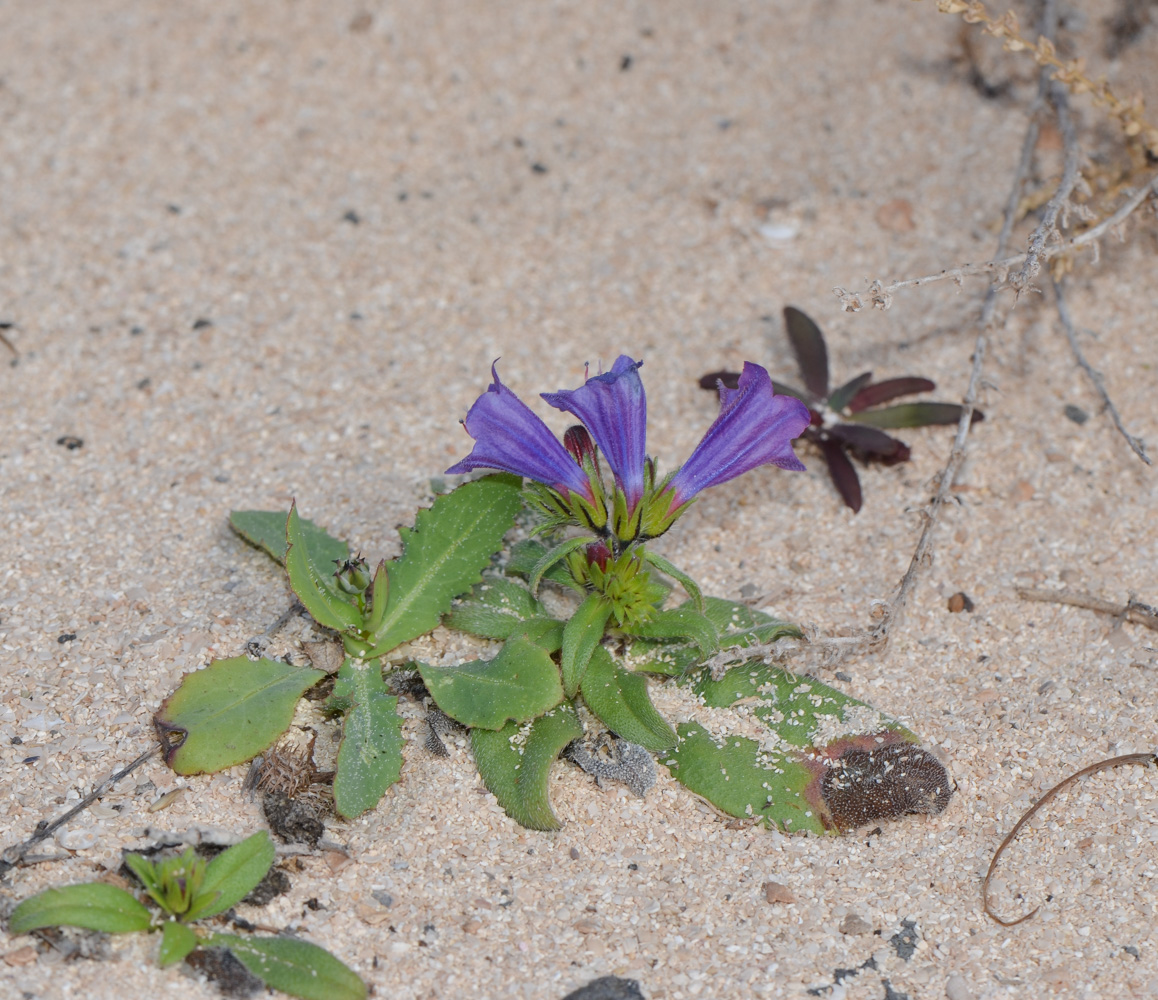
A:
(1076, 414)
(607, 988)
(70, 442)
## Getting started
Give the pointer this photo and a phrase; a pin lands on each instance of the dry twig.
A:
(1131, 611)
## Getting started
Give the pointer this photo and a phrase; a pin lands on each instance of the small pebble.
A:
(21, 956)
(960, 601)
(1076, 414)
(472, 927)
(774, 892)
(76, 840)
(855, 924)
(383, 897)
(574, 853)
(955, 989)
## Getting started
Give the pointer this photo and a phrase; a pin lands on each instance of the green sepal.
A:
(92, 905)
(522, 682)
(314, 584)
(370, 756)
(294, 966)
(177, 941)
(580, 637)
(621, 701)
(677, 574)
(515, 763)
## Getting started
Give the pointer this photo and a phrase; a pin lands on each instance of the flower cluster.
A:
(755, 427)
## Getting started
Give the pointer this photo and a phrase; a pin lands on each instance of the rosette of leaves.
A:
(813, 759)
(236, 708)
(851, 420)
(185, 890)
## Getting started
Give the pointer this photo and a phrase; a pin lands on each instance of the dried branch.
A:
(1131, 611)
(1095, 376)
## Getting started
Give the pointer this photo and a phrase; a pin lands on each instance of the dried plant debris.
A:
(864, 782)
(299, 820)
(438, 725)
(223, 970)
(607, 988)
(612, 758)
(76, 943)
(849, 420)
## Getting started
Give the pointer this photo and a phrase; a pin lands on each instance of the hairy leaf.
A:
(621, 701)
(370, 756)
(913, 415)
(314, 583)
(235, 872)
(520, 683)
(515, 763)
(94, 905)
(229, 712)
(495, 609)
(266, 530)
(295, 967)
(677, 574)
(890, 388)
(580, 637)
(526, 554)
(444, 554)
(177, 941)
(683, 622)
(553, 557)
(808, 346)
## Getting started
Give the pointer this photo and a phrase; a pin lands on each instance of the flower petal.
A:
(510, 437)
(755, 427)
(613, 406)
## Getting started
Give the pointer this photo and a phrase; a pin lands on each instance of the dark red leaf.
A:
(713, 379)
(840, 397)
(808, 346)
(890, 388)
(868, 440)
(914, 415)
(844, 476)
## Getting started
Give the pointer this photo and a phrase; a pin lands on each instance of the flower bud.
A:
(578, 442)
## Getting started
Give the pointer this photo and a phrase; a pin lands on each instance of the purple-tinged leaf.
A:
(844, 476)
(914, 415)
(840, 397)
(890, 388)
(713, 379)
(868, 440)
(808, 346)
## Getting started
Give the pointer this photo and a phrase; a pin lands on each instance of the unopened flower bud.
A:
(598, 554)
(578, 442)
(353, 576)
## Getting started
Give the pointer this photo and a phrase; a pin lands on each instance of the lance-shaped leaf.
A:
(683, 622)
(677, 574)
(619, 698)
(229, 712)
(526, 554)
(495, 609)
(444, 555)
(735, 624)
(314, 584)
(177, 941)
(890, 388)
(808, 346)
(843, 473)
(870, 441)
(370, 756)
(552, 557)
(840, 397)
(580, 637)
(233, 874)
(379, 596)
(828, 762)
(913, 415)
(515, 763)
(95, 906)
(293, 966)
(520, 683)
(266, 530)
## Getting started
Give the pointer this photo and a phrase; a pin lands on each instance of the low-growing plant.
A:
(185, 889)
(847, 420)
(795, 754)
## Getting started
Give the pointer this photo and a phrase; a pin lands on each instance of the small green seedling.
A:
(187, 888)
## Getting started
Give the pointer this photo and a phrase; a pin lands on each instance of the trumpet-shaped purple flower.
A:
(613, 407)
(755, 427)
(508, 436)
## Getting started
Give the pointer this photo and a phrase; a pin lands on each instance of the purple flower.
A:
(613, 406)
(755, 427)
(509, 437)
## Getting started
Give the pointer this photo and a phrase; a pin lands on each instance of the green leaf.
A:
(295, 967)
(620, 699)
(266, 530)
(495, 609)
(94, 905)
(580, 637)
(229, 712)
(518, 684)
(235, 872)
(313, 582)
(840, 398)
(370, 757)
(177, 941)
(515, 763)
(681, 623)
(553, 557)
(379, 596)
(677, 574)
(736, 625)
(444, 555)
(523, 558)
(912, 415)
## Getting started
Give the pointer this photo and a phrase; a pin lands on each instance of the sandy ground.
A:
(263, 251)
